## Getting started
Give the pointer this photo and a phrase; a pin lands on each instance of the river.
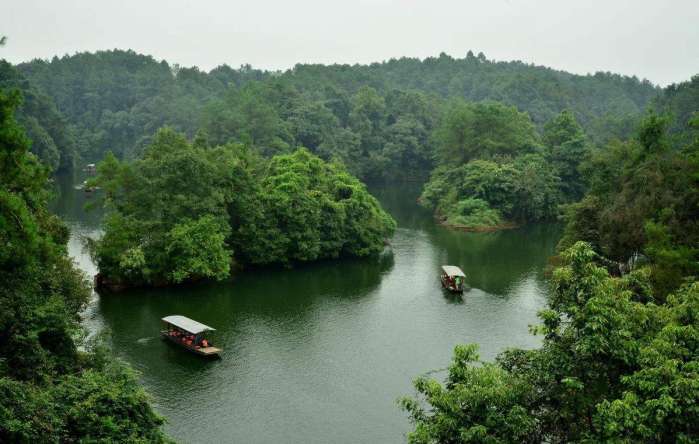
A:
(320, 353)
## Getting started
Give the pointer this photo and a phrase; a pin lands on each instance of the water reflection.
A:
(319, 353)
(493, 262)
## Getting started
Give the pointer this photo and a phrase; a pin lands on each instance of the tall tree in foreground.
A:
(50, 391)
(613, 367)
(644, 200)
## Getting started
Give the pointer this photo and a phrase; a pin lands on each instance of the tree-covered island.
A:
(188, 211)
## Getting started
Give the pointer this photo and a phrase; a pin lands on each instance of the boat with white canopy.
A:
(189, 334)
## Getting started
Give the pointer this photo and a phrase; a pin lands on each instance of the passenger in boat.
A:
(204, 343)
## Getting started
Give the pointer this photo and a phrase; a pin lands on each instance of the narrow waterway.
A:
(321, 353)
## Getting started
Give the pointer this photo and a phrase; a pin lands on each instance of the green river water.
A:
(320, 353)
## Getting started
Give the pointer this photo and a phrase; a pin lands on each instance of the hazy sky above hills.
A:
(657, 40)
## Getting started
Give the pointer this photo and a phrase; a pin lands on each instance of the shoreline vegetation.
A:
(208, 174)
(619, 360)
(55, 385)
(480, 228)
(187, 212)
(494, 171)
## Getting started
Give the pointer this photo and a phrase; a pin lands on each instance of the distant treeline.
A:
(377, 118)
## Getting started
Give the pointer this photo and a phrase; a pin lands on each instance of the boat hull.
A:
(209, 352)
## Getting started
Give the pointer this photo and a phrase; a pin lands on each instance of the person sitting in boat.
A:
(204, 343)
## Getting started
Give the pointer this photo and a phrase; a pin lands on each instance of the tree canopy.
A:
(619, 360)
(378, 119)
(186, 212)
(493, 167)
(50, 390)
(51, 136)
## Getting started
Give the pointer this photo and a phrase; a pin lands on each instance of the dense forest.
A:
(185, 212)
(52, 136)
(202, 173)
(620, 354)
(493, 168)
(378, 118)
(54, 385)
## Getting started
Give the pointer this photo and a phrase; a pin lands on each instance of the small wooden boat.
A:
(453, 279)
(189, 334)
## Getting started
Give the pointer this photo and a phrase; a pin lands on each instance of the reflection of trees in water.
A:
(287, 298)
(400, 201)
(69, 202)
(493, 262)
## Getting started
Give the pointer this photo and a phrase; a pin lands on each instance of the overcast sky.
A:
(657, 40)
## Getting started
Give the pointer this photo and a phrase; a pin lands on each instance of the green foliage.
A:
(165, 208)
(377, 119)
(491, 153)
(537, 189)
(643, 198)
(101, 403)
(315, 210)
(565, 141)
(93, 404)
(197, 248)
(477, 404)
(474, 213)
(185, 212)
(680, 102)
(613, 367)
(484, 130)
(52, 138)
(50, 391)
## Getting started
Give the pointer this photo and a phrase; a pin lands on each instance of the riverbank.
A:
(480, 228)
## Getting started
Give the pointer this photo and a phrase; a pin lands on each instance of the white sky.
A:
(657, 40)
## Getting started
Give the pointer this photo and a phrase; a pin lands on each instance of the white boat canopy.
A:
(453, 271)
(186, 324)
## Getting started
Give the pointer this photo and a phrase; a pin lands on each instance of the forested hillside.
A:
(620, 355)
(681, 102)
(202, 172)
(54, 385)
(51, 136)
(378, 118)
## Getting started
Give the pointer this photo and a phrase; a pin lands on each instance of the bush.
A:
(474, 213)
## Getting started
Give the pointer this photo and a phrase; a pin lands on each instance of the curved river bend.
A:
(321, 353)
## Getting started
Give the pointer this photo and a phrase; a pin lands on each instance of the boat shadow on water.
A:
(452, 297)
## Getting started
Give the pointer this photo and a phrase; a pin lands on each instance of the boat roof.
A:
(453, 270)
(186, 324)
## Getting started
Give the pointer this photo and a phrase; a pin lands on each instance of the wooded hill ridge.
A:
(378, 117)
